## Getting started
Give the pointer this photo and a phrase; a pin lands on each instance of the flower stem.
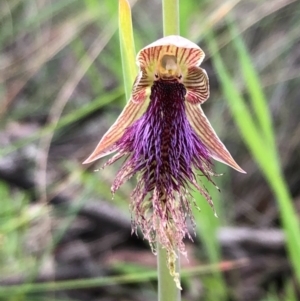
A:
(171, 17)
(167, 289)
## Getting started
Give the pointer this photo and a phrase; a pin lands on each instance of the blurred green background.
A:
(62, 236)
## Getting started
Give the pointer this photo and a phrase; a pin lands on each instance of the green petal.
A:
(203, 128)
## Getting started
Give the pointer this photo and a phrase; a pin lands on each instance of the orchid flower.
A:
(166, 140)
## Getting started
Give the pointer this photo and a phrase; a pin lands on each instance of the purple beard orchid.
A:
(166, 141)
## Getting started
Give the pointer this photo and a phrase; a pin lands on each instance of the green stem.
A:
(171, 17)
(167, 289)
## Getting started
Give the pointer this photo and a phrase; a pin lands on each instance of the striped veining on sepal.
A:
(141, 87)
(197, 85)
(188, 54)
(130, 113)
(203, 128)
(148, 57)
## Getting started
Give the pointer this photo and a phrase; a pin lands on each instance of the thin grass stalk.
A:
(138, 277)
(275, 179)
(167, 289)
(265, 157)
(252, 81)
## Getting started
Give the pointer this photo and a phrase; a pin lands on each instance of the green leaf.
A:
(252, 81)
(127, 46)
(262, 151)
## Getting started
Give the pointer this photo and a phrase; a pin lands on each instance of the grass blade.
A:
(264, 156)
(127, 46)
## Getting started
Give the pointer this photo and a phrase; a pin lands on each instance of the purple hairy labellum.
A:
(166, 141)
